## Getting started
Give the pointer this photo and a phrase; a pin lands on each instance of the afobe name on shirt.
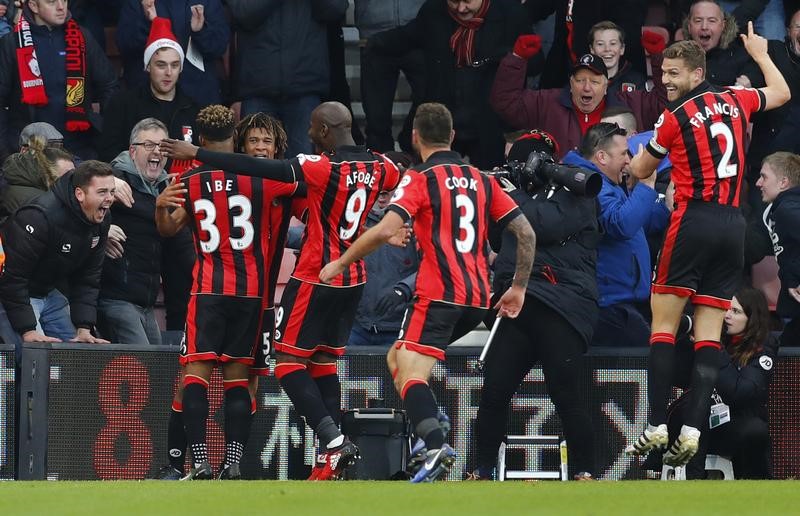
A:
(360, 177)
(717, 108)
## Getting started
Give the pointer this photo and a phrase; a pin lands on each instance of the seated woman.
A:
(747, 360)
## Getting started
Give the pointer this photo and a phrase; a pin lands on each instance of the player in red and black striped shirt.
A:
(452, 204)
(231, 218)
(314, 320)
(704, 131)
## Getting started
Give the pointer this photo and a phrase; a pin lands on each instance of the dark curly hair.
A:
(267, 123)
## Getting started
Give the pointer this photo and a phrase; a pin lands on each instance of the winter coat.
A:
(101, 83)
(50, 243)
(563, 274)
(387, 267)
(623, 256)
(282, 48)
(782, 219)
(210, 42)
(372, 16)
(627, 79)
(25, 181)
(135, 276)
(553, 111)
(128, 107)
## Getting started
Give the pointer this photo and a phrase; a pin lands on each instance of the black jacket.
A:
(782, 219)
(129, 107)
(563, 275)
(101, 82)
(50, 243)
(136, 276)
(465, 91)
(746, 389)
(627, 79)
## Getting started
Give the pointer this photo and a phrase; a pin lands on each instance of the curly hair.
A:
(216, 122)
(267, 123)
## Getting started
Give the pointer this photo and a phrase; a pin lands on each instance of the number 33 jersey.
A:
(452, 204)
(233, 219)
(704, 133)
(341, 189)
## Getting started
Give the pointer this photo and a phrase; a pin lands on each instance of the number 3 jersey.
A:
(234, 220)
(452, 204)
(704, 133)
(341, 189)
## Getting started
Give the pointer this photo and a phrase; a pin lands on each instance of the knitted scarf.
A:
(462, 42)
(30, 76)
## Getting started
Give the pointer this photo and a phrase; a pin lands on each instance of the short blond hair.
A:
(785, 164)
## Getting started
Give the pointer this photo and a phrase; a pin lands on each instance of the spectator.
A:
(40, 84)
(568, 112)
(161, 98)
(607, 40)
(462, 42)
(727, 61)
(58, 238)
(379, 73)
(132, 270)
(623, 256)
(746, 364)
(780, 187)
(767, 15)
(202, 32)
(31, 172)
(282, 60)
(7, 11)
(391, 278)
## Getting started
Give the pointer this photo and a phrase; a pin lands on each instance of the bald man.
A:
(314, 321)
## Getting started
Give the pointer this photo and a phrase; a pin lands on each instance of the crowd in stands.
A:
(86, 80)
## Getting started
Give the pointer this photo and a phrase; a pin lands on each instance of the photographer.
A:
(560, 308)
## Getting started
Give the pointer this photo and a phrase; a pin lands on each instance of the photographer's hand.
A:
(506, 184)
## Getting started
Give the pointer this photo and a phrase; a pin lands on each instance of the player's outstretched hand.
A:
(330, 271)
(173, 194)
(177, 149)
(402, 236)
(84, 335)
(755, 45)
(510, 304)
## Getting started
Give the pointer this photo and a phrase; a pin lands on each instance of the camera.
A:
(540, 169)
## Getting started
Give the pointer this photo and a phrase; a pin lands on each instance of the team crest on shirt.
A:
(628, 87)
(660, 121)
(302, 158)
(95, 241)
(765, 362)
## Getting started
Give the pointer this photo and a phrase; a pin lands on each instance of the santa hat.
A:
(161, 36)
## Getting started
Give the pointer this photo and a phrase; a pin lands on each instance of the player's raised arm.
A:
(169, 222)
(242, 164)
(776, 91)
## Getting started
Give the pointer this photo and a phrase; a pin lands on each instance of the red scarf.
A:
(587, 120)
(462, 42)
(30, 76)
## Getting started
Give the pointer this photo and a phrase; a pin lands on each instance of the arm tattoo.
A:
(526, 248)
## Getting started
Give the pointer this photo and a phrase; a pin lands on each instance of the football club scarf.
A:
(30, 76)
(462, 42)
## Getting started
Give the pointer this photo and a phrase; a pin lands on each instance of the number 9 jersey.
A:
(341, 189)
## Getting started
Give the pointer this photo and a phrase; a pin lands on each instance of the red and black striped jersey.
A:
(704, 133)
(233, 220)
(452, 204)
(341, 189)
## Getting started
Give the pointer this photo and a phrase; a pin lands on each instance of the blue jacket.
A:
(211, 42)
(623, 257)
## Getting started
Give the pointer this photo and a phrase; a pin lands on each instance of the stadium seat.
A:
(532, 443)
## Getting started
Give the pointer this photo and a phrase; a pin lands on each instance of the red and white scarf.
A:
(30, 76)
(462, 42)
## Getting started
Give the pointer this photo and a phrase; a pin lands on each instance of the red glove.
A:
(528, 45)
(653, 42)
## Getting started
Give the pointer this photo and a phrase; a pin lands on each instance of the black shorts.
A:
(430, 326)
(703, 254)
(261, 364)
(222, 328)
(315, 318)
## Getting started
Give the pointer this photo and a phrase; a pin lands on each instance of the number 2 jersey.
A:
(341, 189)
(452, 204)
(704, 133)
(239, 226)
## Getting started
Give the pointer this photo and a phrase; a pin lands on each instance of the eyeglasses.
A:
(612, 131)
(148, 145)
